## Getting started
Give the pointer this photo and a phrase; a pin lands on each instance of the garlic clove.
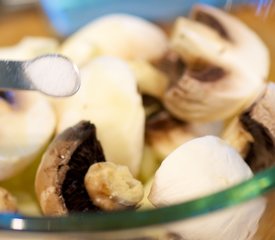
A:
(198, 167)
(238, 222)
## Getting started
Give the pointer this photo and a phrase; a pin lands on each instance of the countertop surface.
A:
(16, 24)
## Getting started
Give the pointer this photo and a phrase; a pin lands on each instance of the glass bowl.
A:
(254, 198)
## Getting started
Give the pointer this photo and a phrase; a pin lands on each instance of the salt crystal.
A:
(54, 75)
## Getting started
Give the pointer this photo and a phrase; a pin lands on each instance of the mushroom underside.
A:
(262, 150)
(73, 189)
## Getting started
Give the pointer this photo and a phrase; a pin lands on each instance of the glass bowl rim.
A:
(254, 187)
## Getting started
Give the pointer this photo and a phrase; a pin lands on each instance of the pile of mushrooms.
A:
(145, 98)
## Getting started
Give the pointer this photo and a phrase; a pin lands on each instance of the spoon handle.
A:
(12, 76)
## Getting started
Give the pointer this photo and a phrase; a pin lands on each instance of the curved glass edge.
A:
(258, 185)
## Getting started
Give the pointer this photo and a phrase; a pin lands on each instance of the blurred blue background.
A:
(68, 15)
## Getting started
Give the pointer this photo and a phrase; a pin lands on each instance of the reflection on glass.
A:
(238, 223)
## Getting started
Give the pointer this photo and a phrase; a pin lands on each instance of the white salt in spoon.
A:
(52, 74)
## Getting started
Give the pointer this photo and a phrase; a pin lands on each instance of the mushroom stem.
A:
(112, 187)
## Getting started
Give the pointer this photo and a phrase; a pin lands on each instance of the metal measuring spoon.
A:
(52, 74)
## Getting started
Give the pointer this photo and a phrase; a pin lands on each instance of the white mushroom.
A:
(248, 46)
(27, 125)
(200, 167)
(227, 65)
(122, 36)
(164, 133)
(119, 35)
(108, 97)
(150, 80)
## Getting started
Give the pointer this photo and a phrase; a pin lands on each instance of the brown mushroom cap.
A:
(59, 182)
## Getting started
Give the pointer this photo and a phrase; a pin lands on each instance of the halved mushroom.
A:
(164, 133)
(74, 177)
(150, 80)
(119, 35)
(253, 132)
(27, 124)
(108, 97)
(59, 182)
(248, 46)
(122, 36)
(226, 66)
